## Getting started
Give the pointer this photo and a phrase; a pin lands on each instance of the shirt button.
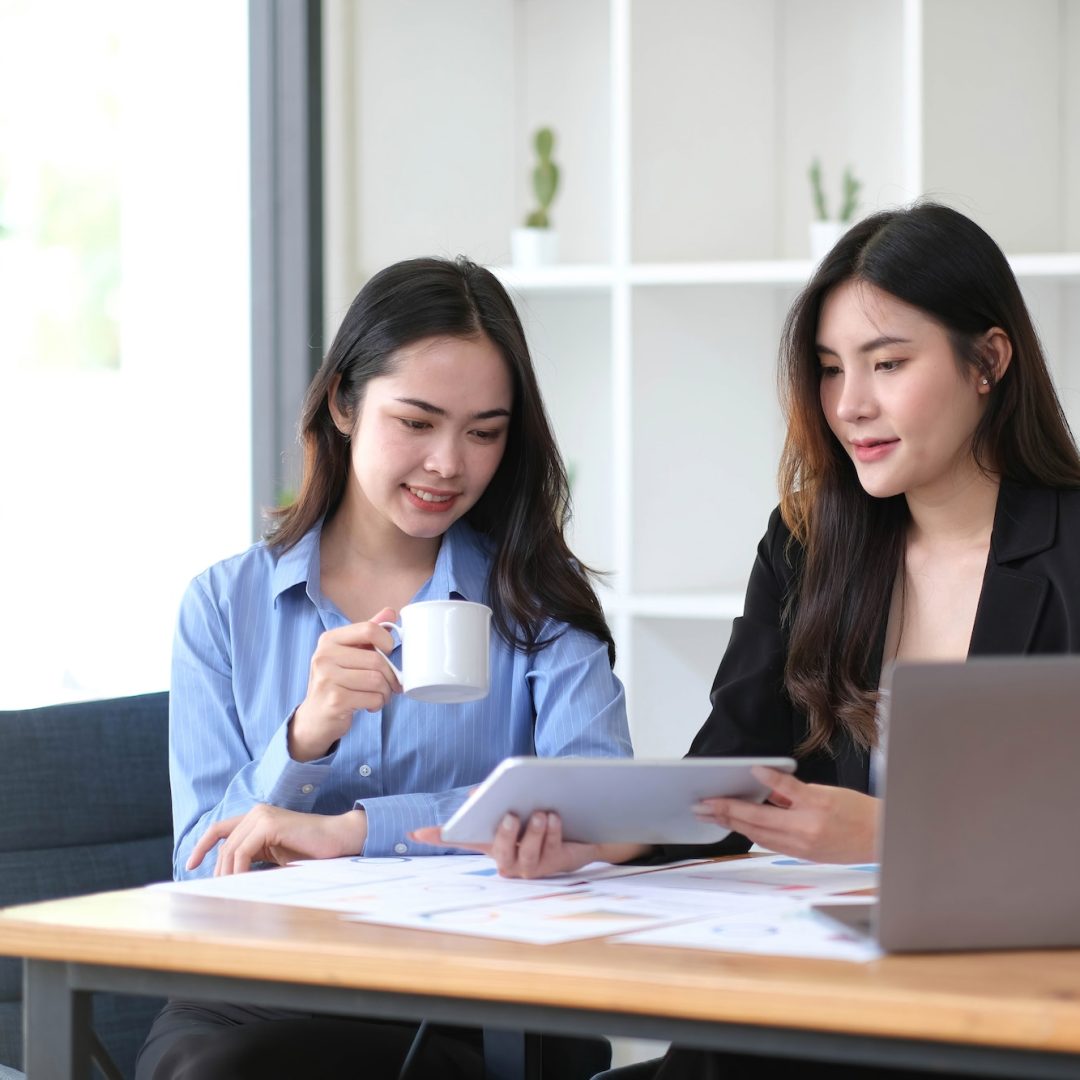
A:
(307, 789)
(364, 770)
(401, 848)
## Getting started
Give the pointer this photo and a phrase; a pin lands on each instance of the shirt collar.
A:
(461, 568)
(300, 564)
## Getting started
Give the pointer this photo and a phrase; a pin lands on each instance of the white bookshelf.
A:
(685, 129)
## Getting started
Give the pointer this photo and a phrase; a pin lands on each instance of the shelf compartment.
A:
(435, 117)
(675, 662)
(1027, 195)
(1055, 308)
(731, 101)
(725, 605)
(569, 335)
(708, 433)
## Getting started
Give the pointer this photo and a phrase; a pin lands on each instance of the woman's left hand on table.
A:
(271, 834)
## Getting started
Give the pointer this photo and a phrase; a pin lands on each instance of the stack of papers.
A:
(757, 905)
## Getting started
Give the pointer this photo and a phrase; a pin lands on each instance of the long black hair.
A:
(525, 508)
(939, 261)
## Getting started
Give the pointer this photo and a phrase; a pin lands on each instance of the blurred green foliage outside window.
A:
(60, 275)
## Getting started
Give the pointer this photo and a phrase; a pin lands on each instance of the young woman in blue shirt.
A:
(430, 472)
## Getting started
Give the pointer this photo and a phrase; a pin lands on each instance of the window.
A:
(125, 425)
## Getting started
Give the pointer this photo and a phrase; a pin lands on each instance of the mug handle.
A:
(393, 666)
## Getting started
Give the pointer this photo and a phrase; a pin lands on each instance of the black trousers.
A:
(194, 1040)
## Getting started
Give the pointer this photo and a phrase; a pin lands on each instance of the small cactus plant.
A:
(849, 202)
(545, 179)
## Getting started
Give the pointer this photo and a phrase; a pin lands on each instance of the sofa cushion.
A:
(11, 1033)
(84, 807)
(86, 773)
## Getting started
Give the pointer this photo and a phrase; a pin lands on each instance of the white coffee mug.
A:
(445, 647)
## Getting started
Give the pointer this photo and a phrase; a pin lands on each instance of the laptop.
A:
(981, 825)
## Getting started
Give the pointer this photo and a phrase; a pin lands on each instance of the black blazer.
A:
(1030, 603)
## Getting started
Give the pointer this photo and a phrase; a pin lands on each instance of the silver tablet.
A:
(610, 800)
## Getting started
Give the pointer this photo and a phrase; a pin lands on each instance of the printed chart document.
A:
(778, 921)
(758, 904)
(390, 886)
(767, 876)
(783, 929)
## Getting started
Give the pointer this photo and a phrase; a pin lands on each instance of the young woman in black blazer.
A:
(929, 509)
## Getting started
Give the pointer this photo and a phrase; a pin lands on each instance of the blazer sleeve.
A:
(751, 715)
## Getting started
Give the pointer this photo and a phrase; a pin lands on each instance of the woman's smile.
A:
(430, 500)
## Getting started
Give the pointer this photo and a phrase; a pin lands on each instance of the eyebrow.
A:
(435, 410)
(869, 347)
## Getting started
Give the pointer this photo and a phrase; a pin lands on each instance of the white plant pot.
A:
(534, 247)
(823, 237)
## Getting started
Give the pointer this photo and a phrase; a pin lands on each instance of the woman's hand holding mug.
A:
(347, 673)
(446, 661)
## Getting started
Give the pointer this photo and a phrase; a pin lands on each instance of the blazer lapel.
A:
(1008, 613)
(1012, 599)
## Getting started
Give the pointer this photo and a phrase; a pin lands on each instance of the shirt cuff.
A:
(390, 819)
(281, 781)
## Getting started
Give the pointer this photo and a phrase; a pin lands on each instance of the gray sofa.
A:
(84, 807)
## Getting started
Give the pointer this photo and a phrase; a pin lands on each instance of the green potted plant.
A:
(826, 230)
(536, 242)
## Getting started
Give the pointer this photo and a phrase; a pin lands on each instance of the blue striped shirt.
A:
(247, 630)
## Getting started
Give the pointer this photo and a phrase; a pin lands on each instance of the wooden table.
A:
(1009, 1014)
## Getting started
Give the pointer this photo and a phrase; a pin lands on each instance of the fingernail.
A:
(508, 824)
(538, 821)
(551, 820)
(702, 808)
